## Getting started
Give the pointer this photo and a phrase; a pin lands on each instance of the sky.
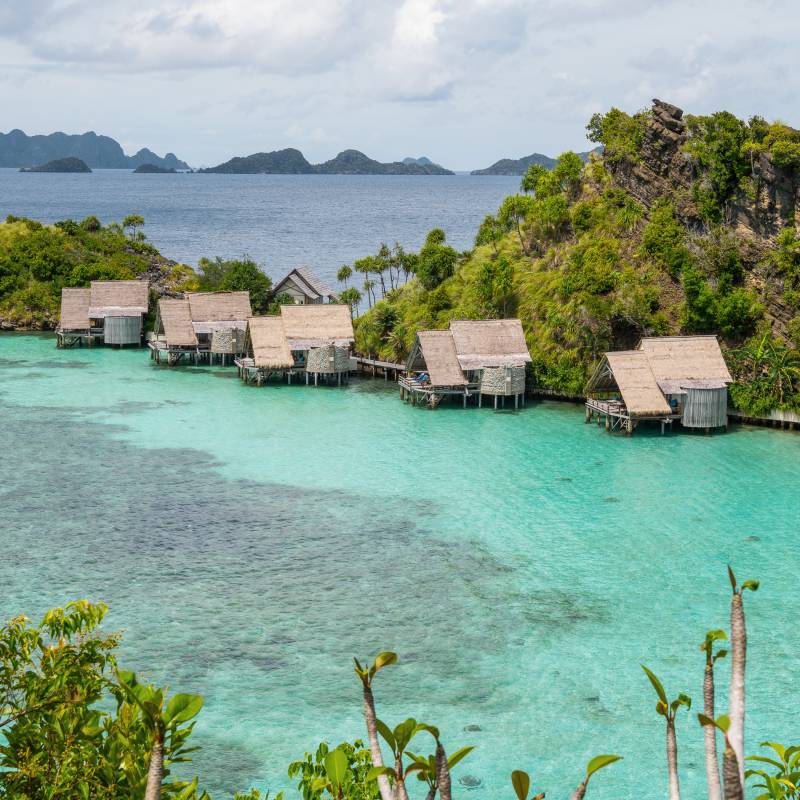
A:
(464, 82)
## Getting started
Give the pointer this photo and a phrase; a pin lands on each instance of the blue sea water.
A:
(281, 221)
(250, 541)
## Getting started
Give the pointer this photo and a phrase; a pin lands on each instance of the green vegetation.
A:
(237, 275)
(37, 260)
(75, 725)
(588, 267)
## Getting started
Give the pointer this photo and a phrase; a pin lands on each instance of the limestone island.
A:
(153, 169)
(60, 165)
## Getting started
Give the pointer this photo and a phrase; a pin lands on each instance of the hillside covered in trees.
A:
(685, 224)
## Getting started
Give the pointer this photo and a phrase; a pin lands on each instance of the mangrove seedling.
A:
(398, 740)
(668, 710)
(367, 675)
(738, 660)
(595, 765)
(521, 782)
(710, 731)
(734, 789)
(435, 768)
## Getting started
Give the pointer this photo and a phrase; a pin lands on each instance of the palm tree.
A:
(367, 674)
(352, 297)
(783, 367)
(344, 274)
(738, 662)
(710, 731)
(668, 711)
(595, 765)
(369, 288)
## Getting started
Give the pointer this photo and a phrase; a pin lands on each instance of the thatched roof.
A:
(176, 320)
(636, 382)
(220, 307)
(75, 309)
(489, 343)
(118, 299)
(680, 362)
(441, 360)
(308, 282)
(268, 339)
(309, 326)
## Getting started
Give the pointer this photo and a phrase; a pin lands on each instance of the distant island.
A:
(60, 165)
(153, 169)
(518, 166)
(349, 162)
(423, 161)
(17, 149)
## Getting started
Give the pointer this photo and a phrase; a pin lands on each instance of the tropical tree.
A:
(344, 274)
(710, 731)
(784, 784)
(668, 710)
(489, 232)
(398, 740)
(366, 675)
(352, 297)
(436, 261)
(316, 773)
(567, 171)
(736, 693)
(512, 213)
(534, 175)
(369, 288)
(132, 222)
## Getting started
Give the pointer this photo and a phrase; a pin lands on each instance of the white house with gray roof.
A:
(305, 287)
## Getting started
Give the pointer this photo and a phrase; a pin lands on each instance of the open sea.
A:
(281, 221)
(250, 541)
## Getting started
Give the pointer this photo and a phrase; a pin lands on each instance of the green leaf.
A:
(385, 731)
(182, 708)
(336, 766)
(431, 729)
(404, 733)
(751, 585)
(732, 578)
(384, 659)
(598, 762)
(459, 755)
(662, 695)
(376, 772)
(188, 792)
(521, 782)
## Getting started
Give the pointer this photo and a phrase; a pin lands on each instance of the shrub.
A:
(664, 239)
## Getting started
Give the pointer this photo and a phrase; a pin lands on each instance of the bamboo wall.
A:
(506, 381)
(122, 330)
(705, 408)
(328, 360)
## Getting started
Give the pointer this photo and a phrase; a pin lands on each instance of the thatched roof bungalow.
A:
(471, 357)
(314, 339)
(305, 287)
(108, 310)
(667, 378)
(201, 325)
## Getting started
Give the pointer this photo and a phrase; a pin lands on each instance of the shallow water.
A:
(251, 541)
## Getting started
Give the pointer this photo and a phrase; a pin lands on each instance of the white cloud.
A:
(463, 81)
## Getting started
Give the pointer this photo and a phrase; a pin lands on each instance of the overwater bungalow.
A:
(472, 358)
(305, 287)
(202, 326)
(666, 379)
(314, 340)
(109, 310)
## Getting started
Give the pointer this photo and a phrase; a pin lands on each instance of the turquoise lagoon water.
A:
(251, 541)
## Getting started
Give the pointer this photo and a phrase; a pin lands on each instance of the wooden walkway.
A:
(373, 366)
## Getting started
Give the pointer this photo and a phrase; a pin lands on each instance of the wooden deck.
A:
(617, 417)
(258, 376)
(373, 366)
(189, 355)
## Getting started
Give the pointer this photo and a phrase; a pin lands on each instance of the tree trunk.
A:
(672, 761)
(431, 793)
(579, 793)
(155, 771)
(736, 694)
(710, 735)
(442, 773)
(730, 774)
(521, 241)
(400, 792)
(374, 745)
